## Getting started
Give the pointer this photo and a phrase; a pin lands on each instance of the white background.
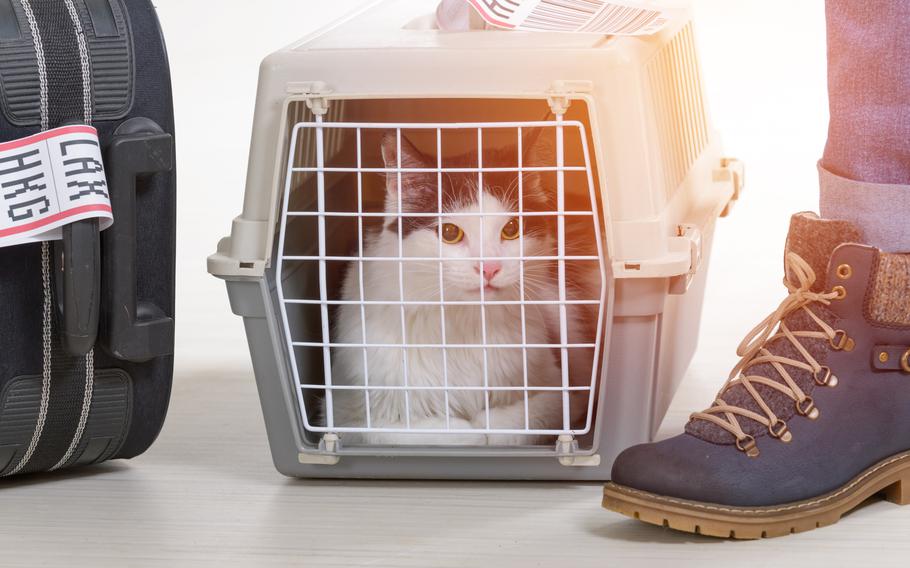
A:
(765, 71)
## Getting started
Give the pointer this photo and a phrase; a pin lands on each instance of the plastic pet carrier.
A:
(476, 254)
(86, 232)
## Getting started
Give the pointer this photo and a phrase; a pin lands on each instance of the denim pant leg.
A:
(865, 169)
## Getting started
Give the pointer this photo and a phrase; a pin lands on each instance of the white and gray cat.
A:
(464, 324)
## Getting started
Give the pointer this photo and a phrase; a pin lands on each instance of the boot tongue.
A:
(814, 239)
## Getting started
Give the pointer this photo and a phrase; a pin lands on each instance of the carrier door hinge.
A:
(327, 446)
(561, 92)
(567, 448)
(315, 94)
(732, 171)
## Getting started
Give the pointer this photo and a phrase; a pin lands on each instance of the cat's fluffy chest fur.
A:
(465, 366)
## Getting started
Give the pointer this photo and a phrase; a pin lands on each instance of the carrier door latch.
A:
(732, 171)
(315, 93)
(560, 94)
(692, 234)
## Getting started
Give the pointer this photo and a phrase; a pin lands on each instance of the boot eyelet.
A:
(807, 408)
(828, 377)
(905, 361)
(841, 341)
(780, 430)
(844, 271)
(840, 291)
(747, 446)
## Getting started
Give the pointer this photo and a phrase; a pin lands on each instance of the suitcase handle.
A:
(132, 329)
(78, 283)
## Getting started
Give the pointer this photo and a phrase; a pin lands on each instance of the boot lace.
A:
(753, 351)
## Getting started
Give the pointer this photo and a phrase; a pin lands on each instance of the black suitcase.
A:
(86, 322)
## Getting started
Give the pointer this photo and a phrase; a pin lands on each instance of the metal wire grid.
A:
(321, 214)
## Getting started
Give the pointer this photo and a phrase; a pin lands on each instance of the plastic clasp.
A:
(325, 455)
(567, 447)
(559, 97)
(314, 93)
(680, 284)
(732, 171)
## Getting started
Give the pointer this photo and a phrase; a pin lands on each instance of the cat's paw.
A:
(501, 418)
(503, 421)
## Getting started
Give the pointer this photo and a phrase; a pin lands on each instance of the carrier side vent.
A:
(676, 89)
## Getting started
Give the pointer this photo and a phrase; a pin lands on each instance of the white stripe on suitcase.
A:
(45, 259)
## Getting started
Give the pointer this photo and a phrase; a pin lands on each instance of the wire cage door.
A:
(572, 274)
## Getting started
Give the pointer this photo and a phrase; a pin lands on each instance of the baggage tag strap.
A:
(50, 180)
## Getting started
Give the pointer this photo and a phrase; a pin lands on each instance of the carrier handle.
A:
(78, 283)
(133, 329)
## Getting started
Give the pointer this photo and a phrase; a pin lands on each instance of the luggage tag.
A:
(50, 180)
(613, 17)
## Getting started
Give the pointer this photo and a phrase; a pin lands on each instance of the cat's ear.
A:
(539, 187)
(418, 189)
(538, 152)
(410, 156)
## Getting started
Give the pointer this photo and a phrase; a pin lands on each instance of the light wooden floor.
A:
(207, 495)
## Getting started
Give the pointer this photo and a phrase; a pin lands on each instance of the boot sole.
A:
(890, 477)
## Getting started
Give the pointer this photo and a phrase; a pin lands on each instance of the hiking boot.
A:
(814, 419)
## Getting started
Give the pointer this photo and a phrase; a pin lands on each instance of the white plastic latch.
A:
(732, 171)
(328, 445)
(567, 447)
(314, 93)
(692, 234)
(560, 94)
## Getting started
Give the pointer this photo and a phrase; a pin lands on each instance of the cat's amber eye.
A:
(511, 230)
(452, 234)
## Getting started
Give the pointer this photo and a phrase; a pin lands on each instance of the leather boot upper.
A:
(860, 417)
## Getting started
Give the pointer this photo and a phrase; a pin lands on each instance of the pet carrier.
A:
(385, 152)
(87, 319)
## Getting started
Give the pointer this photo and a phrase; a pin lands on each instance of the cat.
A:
(464, 324)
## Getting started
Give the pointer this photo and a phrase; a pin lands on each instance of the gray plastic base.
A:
(652, 339)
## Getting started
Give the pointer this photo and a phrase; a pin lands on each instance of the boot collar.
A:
(815, 239)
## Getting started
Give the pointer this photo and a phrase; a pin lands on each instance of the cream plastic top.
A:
(391, 47)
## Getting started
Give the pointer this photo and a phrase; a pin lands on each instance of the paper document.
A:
(614, 17)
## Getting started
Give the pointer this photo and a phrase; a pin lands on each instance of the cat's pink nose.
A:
(490, 269)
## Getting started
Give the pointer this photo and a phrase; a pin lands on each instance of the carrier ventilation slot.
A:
(679, 107)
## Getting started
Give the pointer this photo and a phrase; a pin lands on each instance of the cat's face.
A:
(462, 236)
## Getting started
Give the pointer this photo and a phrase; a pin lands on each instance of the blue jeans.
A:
(865, 168)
